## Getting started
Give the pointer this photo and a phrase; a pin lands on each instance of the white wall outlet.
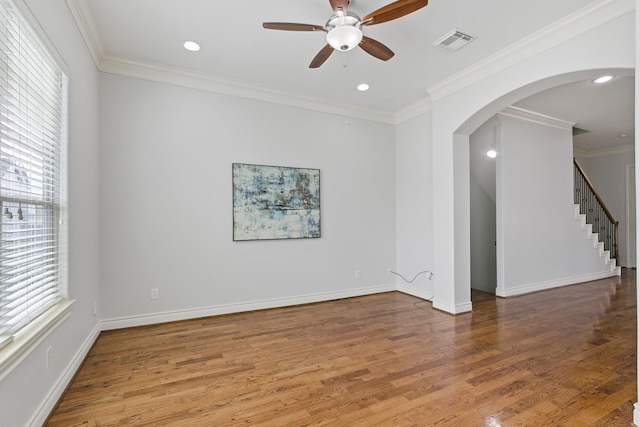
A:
(357, 274)
(48, 356)
(154, 293)
(95, 309)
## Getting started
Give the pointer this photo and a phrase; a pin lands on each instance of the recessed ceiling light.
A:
(492, 154)
(603, 79)
(191, 46)
(363, 87)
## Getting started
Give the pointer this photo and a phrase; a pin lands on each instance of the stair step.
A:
(597, 244)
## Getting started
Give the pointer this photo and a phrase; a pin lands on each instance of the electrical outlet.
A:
(154, 293)
(48, 356)
(357, 274)
(95, 309)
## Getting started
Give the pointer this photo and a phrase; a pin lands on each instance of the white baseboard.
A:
(636, 413)
(420, 293)
(54, 395)
(438, 305)
(541, 286)
(45, 408)
(452, 309)
(172, 316)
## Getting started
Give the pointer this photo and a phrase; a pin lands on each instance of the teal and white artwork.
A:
(275, 202)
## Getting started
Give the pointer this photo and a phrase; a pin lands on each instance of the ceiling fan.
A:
(344, 28)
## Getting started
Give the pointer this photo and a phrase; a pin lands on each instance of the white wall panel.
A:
(414, 215)
(166, 205)
(543, 243)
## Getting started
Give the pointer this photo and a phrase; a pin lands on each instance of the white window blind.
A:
(31, 136)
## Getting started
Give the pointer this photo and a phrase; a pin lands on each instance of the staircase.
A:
(591, 211)
(604, 253)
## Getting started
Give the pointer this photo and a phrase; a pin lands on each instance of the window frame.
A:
(18, 346)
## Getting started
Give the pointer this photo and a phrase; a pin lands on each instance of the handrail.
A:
(587, 207)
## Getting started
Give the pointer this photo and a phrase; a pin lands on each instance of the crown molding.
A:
(207, 82)
(534, 117)
(204, 81)
(622, 149)
(592, 16)
(88, 28)
(409, 112)
(595, 14)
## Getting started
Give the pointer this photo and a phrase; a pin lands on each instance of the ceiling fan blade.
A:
(375, 48)
(339, 4)
(394, 10)
(322, 56)
(289, 26)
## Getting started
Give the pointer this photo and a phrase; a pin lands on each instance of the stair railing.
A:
(595, 210)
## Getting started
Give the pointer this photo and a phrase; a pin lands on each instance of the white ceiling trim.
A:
(534, 117)
(623, 149)
(207, 82)
(88, 28)
(592, 16)
(597, 13)
(414, 110)
(203, 81)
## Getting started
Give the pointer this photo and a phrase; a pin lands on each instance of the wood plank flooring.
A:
(563, 357)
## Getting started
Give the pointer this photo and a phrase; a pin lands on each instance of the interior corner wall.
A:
(483, 207)
(482, 190)
(414, 213)
(166, 203)
(31, 390)
(608, 176)
(482, 239)
(544, 245)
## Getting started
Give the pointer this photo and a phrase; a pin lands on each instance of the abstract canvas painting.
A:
(275, 202)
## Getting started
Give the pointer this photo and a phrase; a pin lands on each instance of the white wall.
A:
(544, 245)
(467, 100)
(608, 176)
(414, 215)
(166, 212)
(31, 390)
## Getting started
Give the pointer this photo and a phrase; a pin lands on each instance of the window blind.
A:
(31, 118)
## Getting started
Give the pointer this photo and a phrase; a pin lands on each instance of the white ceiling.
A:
(606, 111)
(236, 49)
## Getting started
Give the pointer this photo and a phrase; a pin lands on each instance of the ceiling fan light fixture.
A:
(344, 37)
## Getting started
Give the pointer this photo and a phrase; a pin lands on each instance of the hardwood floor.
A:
(563, 357)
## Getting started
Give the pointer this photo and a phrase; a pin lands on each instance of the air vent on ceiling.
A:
(453, 40)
